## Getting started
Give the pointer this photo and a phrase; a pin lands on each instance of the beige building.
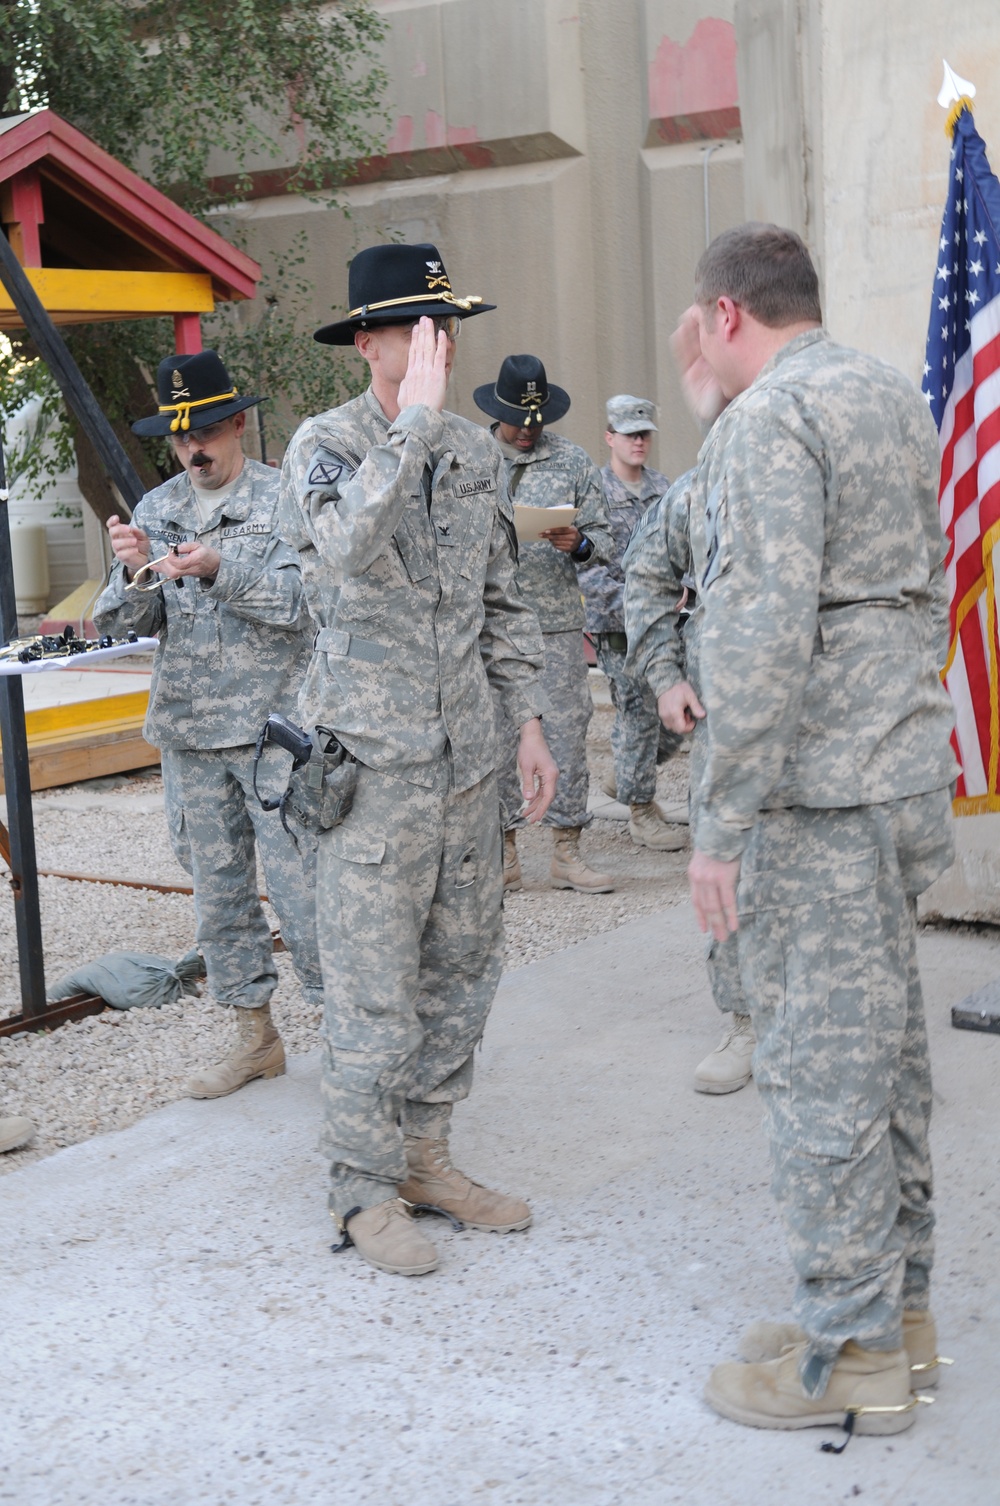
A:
(570, 157)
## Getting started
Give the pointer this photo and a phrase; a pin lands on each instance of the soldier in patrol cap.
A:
(639, 740)
(823, 809)
(545, 470)
(201, 565)
(401, 513)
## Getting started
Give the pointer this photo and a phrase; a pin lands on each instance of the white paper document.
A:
(531, 522)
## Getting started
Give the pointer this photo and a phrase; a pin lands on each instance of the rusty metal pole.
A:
(17, 783)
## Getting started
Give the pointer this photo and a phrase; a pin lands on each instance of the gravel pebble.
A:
(104, 1072)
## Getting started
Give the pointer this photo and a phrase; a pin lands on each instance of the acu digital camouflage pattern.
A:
(557, 473)
(213, 817)
(660, 565)
(564, 680)
(815, 544)
(232, 652)
(408, 555)
(410, 894)
(408, 550)
(638, 738)
(603, 581)
(825, 605)
(229, 654)
(827, 907)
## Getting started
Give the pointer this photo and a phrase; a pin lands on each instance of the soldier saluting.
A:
(401, 514)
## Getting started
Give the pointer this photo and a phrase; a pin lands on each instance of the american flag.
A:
(962, 385)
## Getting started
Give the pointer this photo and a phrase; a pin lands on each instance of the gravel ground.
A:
(104, 1072)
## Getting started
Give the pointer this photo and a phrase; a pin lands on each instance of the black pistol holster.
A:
(320, 790)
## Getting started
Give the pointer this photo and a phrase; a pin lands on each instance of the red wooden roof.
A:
(101, 215)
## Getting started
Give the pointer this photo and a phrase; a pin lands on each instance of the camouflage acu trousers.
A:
(721, 957)
(639, 740)
(564, 679)
(411, 938)
(827, 945)
(213, 817)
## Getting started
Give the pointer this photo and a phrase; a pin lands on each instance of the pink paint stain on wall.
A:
(434, 132)
(696, 77)
(401, 139)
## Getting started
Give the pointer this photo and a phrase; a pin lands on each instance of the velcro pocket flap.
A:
(781, 889)
(355, 847)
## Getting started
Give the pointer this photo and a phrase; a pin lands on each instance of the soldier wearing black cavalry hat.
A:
(401, 513)
(546, 470)
(202, 566)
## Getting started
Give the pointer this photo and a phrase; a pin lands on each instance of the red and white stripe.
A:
(970, 507)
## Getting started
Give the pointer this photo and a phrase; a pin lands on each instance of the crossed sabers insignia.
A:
(438, 282)
(532, 402)
(180, 392)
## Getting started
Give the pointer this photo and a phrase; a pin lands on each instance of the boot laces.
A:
(741, 1026)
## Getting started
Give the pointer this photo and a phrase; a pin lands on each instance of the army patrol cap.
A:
(630, 415)
(395, 285)
(194, 391)
(522, 394)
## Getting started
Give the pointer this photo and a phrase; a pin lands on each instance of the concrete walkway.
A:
(177, 1331)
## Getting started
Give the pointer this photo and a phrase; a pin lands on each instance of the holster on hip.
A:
(320, 794)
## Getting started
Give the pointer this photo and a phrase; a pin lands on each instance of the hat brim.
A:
(554, 408)
(634, 429)
(160, 423)
(343, 332)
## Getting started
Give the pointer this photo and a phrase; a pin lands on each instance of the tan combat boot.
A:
(432, 1179)
(15, 1132)
(511, 863)
(259, 1054)
(766, 1341)
(728, 1067)
(387, 1238)
(872, 1385)
(647, 828)
(569, 869)
(608, 785)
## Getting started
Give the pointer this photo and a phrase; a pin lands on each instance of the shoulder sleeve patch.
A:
(327, 468)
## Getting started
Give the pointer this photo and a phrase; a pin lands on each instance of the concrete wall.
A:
(845, 141)
(553, 150)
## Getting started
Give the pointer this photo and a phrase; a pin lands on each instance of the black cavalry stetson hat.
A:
(393, 285)
(194, 391)
(521, 394)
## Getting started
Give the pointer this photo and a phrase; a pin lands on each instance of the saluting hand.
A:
(702, 392)
(426, 379)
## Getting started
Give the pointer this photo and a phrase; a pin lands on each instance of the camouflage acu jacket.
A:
(659, 578)
(557, 473)
(603, 585)
(232, 652)
(817, 550)
(406, 537)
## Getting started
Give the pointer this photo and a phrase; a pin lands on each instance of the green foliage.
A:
(268, 349)
(195, 97)
(166, 85)
(43, 445)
